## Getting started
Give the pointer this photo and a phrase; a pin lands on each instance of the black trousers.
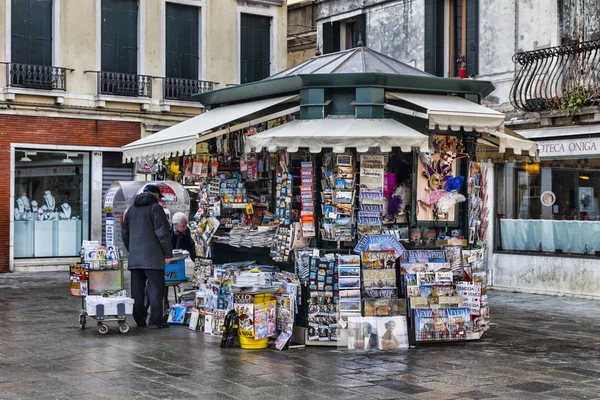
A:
(156, 295)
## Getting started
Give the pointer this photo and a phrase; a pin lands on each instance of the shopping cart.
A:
(105, 299)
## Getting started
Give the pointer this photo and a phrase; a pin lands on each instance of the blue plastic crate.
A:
(175, 271)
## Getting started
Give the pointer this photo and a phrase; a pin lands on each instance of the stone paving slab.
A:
(537, 348)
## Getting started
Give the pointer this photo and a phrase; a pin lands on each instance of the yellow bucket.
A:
(251, 343)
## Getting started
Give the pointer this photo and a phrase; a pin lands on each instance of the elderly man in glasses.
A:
(181, 236)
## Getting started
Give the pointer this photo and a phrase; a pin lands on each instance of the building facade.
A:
(542, 57)
(302, 31)
(83, 78)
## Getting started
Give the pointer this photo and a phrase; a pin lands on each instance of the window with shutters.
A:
(182, 53)
(345, 34)
(182, 50)
(255, 47)
(119, 51)
(462, 22)
(31, 32)
(119, 36)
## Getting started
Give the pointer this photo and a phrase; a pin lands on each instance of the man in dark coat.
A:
(147, 237)
(182, 237)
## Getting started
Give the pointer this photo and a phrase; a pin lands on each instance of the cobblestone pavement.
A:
(539, 347)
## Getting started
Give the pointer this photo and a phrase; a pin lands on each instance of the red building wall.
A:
(53, 131)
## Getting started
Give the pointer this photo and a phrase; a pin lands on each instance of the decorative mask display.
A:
(442, 187)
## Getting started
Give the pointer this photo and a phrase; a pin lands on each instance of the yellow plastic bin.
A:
(250, 343)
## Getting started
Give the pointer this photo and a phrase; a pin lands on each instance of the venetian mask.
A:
(435, 181)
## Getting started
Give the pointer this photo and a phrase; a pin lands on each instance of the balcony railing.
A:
(563, 77)
(43, 77)
(120, 84)
(184, 89)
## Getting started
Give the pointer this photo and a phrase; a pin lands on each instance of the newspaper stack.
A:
(245, 236)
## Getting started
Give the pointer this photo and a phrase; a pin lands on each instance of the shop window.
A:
(461, 37)
(51, 210)
(182, 37)
(31, 32)
(345, 34)
(553, 206)
(255, 41)
(119, 36)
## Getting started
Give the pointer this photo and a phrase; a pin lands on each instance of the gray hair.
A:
(179, 217)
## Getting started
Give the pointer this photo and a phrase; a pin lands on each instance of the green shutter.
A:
(109, 53)
(360, 29)
(128, 36)
(434, 37)
(182, 31)
(40, 31)
(458, 22)
(119, 36)
(472, 37)
(31, 32)
(335, 36)
(327, 38)
(255, 58)
(430, 36)
(20, 32)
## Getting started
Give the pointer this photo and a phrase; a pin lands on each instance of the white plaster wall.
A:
(396, 30)
(563, 276)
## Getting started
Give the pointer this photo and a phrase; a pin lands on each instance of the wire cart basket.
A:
(100, 285)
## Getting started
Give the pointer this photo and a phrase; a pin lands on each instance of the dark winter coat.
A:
(146, 234)
(184, 241)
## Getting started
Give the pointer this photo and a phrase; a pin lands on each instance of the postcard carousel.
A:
(366, 178)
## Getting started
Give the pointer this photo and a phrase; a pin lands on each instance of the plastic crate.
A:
(175, 271)
(110, 304)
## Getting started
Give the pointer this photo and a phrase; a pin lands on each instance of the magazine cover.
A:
(455, 259)
(271, 318)
(414, 268)
(392, 333)
(194, 317)
(413, 291)
(260, 321)
(381, 293)
(246, 317)
(378, 259)
(362, 333)
(177, 314)
(411, 279)
(424, 256)
(425, 278)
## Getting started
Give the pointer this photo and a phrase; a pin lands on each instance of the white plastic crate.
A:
(110, 304)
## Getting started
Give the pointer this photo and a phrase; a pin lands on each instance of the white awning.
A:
(181, 139)
(339, 134)
(451, 112)
(505, 145)
(560, 131)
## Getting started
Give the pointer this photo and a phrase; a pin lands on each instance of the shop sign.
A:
(45, 171)
(569, 147)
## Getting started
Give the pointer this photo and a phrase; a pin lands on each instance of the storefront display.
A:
(551, 207)
(51, 212)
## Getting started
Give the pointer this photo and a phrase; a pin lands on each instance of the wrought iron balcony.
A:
(43, 77)
(185, 89)
(120, 84)
(563, 77)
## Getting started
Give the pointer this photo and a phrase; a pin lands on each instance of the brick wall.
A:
(54, 131)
